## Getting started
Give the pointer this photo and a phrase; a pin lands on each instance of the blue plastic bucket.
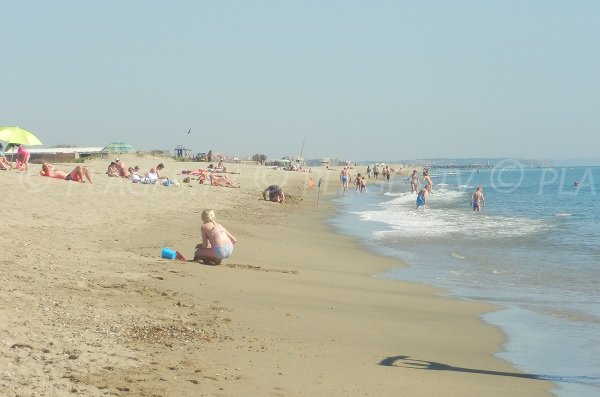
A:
(168, 253)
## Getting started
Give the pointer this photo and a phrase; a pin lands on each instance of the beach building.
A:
(66, 154)
(182, 152)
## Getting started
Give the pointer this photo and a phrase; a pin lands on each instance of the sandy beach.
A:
(90, 308)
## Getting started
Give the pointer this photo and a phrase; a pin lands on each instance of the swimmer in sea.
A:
(478, 199)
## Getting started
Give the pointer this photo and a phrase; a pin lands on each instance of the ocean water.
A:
(534, 250)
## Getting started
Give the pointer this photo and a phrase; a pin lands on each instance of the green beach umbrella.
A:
(119, 147)
(18, 135)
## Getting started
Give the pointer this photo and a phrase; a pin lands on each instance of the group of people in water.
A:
(385, 171)
(414, 186)
(477, 198)
(360, 181)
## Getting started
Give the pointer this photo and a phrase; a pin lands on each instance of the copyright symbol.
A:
(502, 176)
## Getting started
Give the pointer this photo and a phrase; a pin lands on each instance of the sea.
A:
(533, 250)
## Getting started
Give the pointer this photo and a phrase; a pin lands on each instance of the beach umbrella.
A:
(119, 147)
(18, 135)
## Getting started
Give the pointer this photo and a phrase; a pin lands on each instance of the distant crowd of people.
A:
(477, 198)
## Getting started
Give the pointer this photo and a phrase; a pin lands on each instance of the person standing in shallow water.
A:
(477, 199)
(414, 182)
(428, 181)
(217, 243)
(421, 198)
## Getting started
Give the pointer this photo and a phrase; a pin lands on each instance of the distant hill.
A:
(453, 163)
(482, 162)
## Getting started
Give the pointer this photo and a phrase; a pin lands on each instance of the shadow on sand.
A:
(407, 362)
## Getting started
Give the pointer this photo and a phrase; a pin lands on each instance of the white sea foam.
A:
(432, 221)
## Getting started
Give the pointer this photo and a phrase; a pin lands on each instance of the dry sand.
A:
(89, 308)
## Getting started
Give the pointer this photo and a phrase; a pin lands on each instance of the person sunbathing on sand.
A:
(133, 175)
(4, 163)
(123, 171)
(112, 169)
(154, 171)
(75, 175)
(217, 242)
(222, 166)
(221, 180)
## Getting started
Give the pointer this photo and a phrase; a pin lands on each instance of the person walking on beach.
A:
(428, 181)
(376, 170)
(369, 171)
(345, 177)
(360, 183)
(477, 199)
(217, 243)
(414, 182)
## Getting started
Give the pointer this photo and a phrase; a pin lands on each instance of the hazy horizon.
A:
(354, 80)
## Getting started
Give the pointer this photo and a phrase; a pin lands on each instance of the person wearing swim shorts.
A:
(477, 199)
(421, 198)
(345, 177)
(217, 242)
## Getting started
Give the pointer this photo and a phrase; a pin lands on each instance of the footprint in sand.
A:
(260, 268)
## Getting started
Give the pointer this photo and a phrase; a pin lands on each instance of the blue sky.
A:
(356, 80)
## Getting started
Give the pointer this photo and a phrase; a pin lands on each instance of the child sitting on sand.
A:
(217, 242)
